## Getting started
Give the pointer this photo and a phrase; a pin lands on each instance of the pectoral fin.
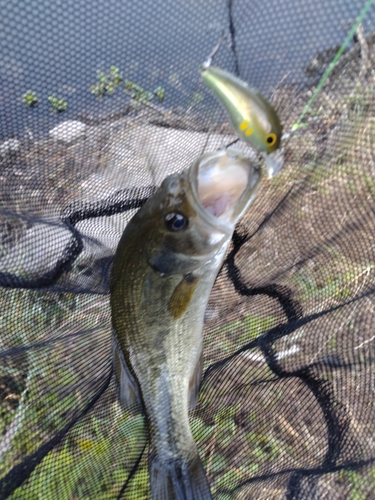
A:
(195, 383)
(182, 295)
(127, 388)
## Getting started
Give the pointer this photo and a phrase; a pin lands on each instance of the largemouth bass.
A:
(163, 271)
(251, 115)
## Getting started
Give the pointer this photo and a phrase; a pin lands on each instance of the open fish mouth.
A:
(226, 183)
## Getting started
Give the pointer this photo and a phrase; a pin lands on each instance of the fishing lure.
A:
(251, 115)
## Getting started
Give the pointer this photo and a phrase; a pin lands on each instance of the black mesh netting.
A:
(100, 101)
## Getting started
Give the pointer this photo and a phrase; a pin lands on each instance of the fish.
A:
(253, 118)
(163, 271)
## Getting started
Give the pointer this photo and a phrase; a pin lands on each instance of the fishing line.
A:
(330, 68)
(298, 125)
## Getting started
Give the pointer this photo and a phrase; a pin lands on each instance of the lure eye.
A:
(271, 139)
(175, 221)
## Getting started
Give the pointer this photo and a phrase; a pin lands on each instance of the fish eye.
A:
(175, 221)
(271, 139)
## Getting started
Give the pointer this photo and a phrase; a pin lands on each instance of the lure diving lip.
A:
(251, 115)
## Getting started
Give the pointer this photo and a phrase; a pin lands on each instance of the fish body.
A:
(251, 115)
(163, 271)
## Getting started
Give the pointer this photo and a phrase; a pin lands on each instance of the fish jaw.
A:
(223, 184)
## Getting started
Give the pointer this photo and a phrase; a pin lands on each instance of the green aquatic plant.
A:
(30, 99)
(107, 82)
(159, 93)
(58, 104)
(137, 92)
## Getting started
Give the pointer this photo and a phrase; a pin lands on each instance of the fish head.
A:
(194, 213)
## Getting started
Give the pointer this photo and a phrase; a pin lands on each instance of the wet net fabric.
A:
(99, 102)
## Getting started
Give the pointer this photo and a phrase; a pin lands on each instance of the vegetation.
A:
(137, 92)
(107, 82)
(160, 93)
(58, 104)
(30, 99)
